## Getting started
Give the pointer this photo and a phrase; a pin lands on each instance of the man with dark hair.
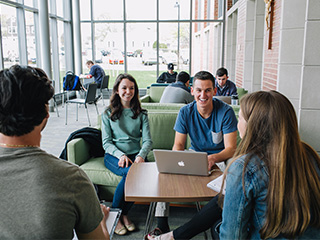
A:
(212, 127)
(179, 91)
(224, 86)
(41, 196)
(96, 71)
(169, 76)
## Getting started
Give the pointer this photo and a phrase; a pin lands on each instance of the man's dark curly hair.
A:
(24, 95)
(204, 75)
(116, 107)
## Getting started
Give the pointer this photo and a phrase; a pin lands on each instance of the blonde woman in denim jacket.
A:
(272, 185)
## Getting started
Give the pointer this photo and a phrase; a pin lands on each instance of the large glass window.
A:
(86, 43)
(174, 10)
(151, 41)
(109, 46)
(59, 8)
(142, 52)
(85, 9)
(29, 3)
(147, 12)
(108, 9)
(62, 58)
(31, 39)
(9, 35)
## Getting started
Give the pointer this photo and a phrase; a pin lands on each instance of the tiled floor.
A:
(56, 132)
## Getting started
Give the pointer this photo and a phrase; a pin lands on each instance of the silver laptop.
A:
(182, 162)
(226, 99)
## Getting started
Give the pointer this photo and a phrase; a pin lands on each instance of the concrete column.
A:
(299, 64)
(309, 105)
(45, 37)
(77, 36)
(45, 42)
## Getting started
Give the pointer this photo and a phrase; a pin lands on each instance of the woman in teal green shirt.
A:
(126, 140)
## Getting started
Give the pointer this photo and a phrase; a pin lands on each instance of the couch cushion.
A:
(162, 106)
(99, 174)
(156, 93)
(161, 129)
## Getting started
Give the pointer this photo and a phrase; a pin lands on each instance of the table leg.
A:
(150, 217)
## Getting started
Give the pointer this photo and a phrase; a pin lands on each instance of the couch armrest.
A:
(78, 151)
(145, 98)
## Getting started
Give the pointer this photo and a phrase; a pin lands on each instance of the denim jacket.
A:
(244, 215)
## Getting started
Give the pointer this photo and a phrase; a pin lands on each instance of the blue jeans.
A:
(111, 162)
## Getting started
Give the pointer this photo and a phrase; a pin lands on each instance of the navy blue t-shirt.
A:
(206, 134)
(98, 73)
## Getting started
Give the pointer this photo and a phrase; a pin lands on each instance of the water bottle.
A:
(234, 100)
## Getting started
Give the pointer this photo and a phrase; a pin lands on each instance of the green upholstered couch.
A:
(155, 91)
(161, 123)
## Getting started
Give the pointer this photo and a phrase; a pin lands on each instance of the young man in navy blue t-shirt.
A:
(212, 128)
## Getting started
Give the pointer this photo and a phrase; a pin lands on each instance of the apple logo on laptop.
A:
(181, 164)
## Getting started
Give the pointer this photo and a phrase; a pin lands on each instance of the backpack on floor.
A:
(71, 82)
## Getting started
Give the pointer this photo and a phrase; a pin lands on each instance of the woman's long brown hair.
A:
(294, 186)
(116, 107)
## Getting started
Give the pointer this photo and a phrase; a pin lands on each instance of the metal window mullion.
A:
(125, 36)
(92, 32)
(158, 38)
(68, 37)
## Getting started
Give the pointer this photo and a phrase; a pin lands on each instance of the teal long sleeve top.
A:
(124, 135)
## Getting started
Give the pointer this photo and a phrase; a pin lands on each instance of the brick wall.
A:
(271, 56)
(216, 12)
(205, 14)
(241, 31)
(196, 6)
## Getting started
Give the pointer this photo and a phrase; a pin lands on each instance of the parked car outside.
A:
(170, 57)
(149, 57)
(130, 53)
(116, 57)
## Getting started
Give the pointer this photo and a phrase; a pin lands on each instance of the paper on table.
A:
(216, 184)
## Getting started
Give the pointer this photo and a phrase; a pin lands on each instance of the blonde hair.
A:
(294, 186)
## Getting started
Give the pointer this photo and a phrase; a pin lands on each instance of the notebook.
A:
(182, 162)
(111, 222)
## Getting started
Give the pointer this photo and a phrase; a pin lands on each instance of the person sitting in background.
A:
(169, 76)
(273, 182)
(124, 125)
(179, 91)
(42, 197)
(224, 86)
(270, 166)
(96, 71)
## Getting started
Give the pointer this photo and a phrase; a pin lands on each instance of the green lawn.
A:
(143, 78)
